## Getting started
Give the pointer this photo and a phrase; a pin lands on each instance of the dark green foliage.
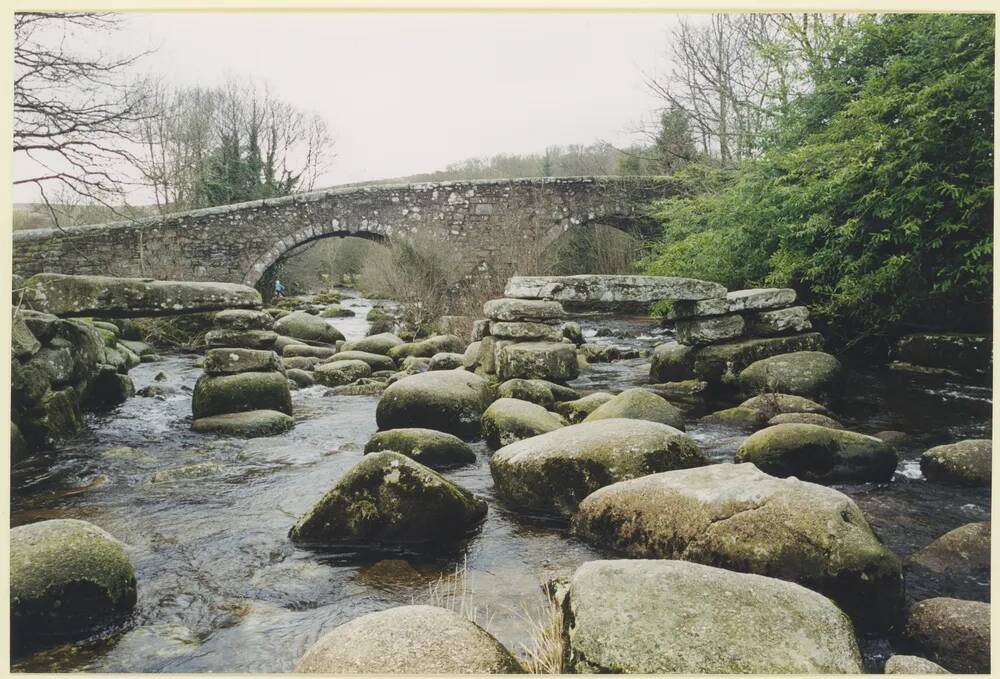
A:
(875, 197)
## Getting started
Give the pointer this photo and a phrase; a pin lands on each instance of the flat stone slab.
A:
(108, 297)
(598, 290)
(760, 298)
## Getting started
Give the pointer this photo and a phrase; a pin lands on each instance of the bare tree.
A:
(74, 116)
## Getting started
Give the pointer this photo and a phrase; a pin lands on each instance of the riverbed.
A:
(205, 518)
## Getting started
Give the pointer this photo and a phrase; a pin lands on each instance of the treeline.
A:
(865, 181)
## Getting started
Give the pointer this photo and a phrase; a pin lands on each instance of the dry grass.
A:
(546, 652)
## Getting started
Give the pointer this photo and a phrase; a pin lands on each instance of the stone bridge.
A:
(238, 243)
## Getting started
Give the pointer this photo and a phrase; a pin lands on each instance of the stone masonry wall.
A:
(237, 243)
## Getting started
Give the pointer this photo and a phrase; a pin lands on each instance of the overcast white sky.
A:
(408, 93)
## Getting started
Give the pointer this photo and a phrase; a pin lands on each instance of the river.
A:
(222, 589)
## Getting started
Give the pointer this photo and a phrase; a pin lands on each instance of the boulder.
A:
(336, 311)
(300, 363)
(744, 419)
(452, 401)
(19, 448)
(707, 307)
(56, 416)
(697, 331)
(444, 360)
(389, 499)
(911, 664)
(806, 418)
(471, 357)
(248, 424)
(301, 325)
(247, 339)
(23, 343)
(572, 332)
(526, 331)
(964, 550)
(893, 437)
(966, 463)
(375, 361)
(67, 577)
(554, 361)
(435, 449)
(137, 347)
(576, 411)
(962, 353)
(760, 298)
(58, 365)
(42, 326)
(380, 343)
(301, 378)
(509, 419)
(610, 291)
(779, 321)
(416, 364)
(671, 362)
(522, 310)
(230, 361)
(336, 373)
(724, 362)
(560, 392)
(735, 516)
(771, 404)
(803, 373)
(107, 297)
(222, 394)
(952, 632)
(243, 319)
(551, 473)
(305, 350)
(814, 453)
(363, 387)
(664, 617)
(688, 395)
(408, 640)
(536, 391)
(639, 404)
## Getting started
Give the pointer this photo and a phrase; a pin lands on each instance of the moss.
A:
(339, 372)
(639, 404)
(509, 419)
(305, 326)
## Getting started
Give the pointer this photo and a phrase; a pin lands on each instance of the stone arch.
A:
(302, 237)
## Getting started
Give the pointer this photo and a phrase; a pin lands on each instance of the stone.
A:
(480, 329)
(953, 633)
(802, 373)
(737, 517)
(806, 418)
(771, 404)
(711, 330)
(576, 411)
(416, 363)
(230, 361)
(554, 361)
(428, 347)
(509, 419)
(535, 391)
(374, 361)
(610, 290)
(670, 362)
(243, 319)
(222, 394)
(389, 499)
(246, 339)
(572, 332)
(336, 311)
(688, 395)
(305, 350)
(42, 326)
(380, 343)
(107, 297)
(911, 664)
(408, 640)
(300, 363)
(301, 325)
(57, 365)
(526, 331)
(471, 357)
(435, 449)
(19, 448)
(106, 389)
(137, 347)
(57, 415)
(301, 378)
(445, 360)
(662, 617)
(680, 310)
(744, 419)
(639, 404)
(453, 325)
(893, 438)
(779, 321)
(23, 343)
(966, 463)
(248, 424)
(522, 310)
(760, 298)
(553, 472)
(67, 577)
(560, 392)
(452, 401)
(724, 362)
(964, 550)
(962, 353)
(336, 373)
(814, 453)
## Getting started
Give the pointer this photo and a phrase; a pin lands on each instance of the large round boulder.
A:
(338, 372)
(375, 361)
(221, 394)
(671, 362)
(248, 424)
(428, 347)
(509, 419)
(735, 516)
(67, 577)
(554, 361)
(814, 453)
(389, 499)
(665, 617)
(802, 373)
(577, 410)
(243, 319)
(436, 449)
(379, 343)
(639, 404)
(966, 463)
(953, 633)
(408, 640)
(536, 391)
(551, 473)
(301, 325)
(962, 551)
(452, 401)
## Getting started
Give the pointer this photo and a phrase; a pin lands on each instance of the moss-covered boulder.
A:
(771, 404)
(24, 344)
(535, 391)
(577, 410)
(305, 326)
(735, 516)
(744, 419)
(724, 362)
(639, 404)
(56, 416)
(231, 361)
(671, 362)
(305, 350)
(509, 419)
(336, 311)
(408, 640)
(338, 372)
(966, 463)
(299, 377)
(389, 499)
(555, 361)
(952, 632)
(963, 353)
(248, 424)
(446, 360)
(964, 551)
(221, 394)
(472, 356)
(300, 363)
(806, 418)
(247, 339)
(814, 453)
(912, 664)
(553, 472)
(243, 319)
(379, 343)
(428, 347)
(506, 309)
(664, 617)
(452, 401)
(374, 361)
(67, 577)
(802, 373)
(435, 449)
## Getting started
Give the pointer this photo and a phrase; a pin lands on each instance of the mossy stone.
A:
(508, 420)
(576, 411)
(435, 449)
(305, 326)
(965, 463)
(639, 404)
(221, 394)
(248, 424)
(802, 373)
(452, 401)
(339, 372)
(375, 361)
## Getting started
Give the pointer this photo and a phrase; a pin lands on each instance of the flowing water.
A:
(221, 588)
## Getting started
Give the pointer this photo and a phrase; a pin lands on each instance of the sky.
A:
(410, 93)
